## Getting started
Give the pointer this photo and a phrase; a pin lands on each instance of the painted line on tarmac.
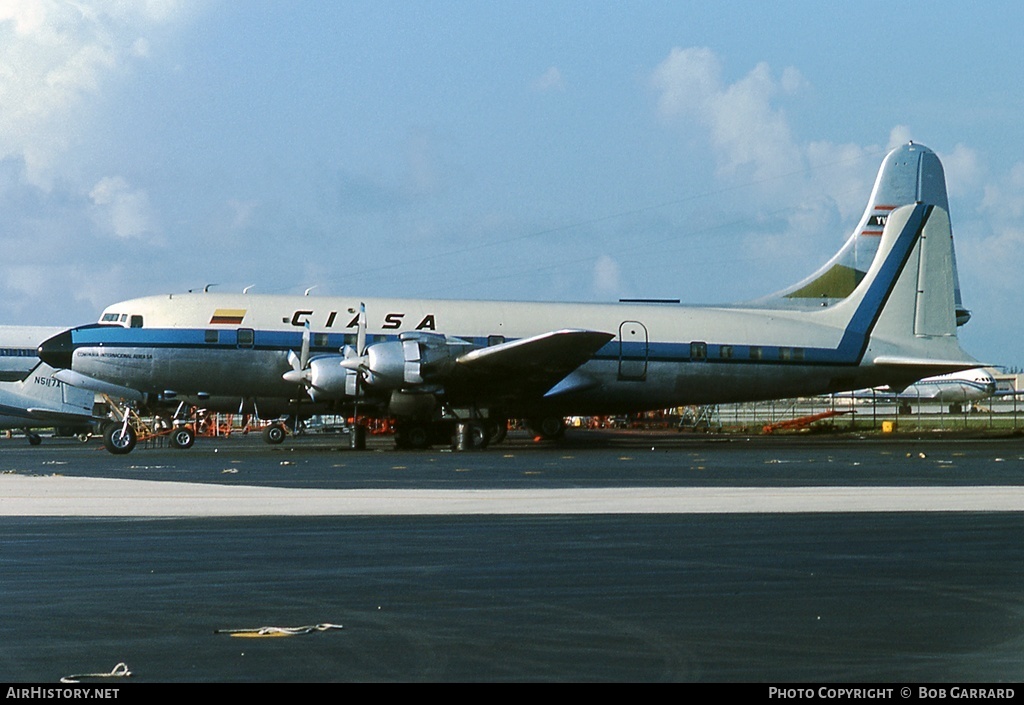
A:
(54, 495)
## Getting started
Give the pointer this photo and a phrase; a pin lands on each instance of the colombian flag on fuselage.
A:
(228, 316)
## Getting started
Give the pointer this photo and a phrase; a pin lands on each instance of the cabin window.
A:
(698, 351)
(136, 322)
(725, 352)
(493, 340)
(785, 353)
(246, 336)
(798, 354)
(320, 340)
(351, 339)
(213, 336)
(755, 352)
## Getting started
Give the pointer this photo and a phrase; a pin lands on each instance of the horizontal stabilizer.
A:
(933, 367)
(61, 416)
(37, 414)
(76, 379)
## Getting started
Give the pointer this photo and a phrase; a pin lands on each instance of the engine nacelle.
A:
(328, 380)
(415, 361)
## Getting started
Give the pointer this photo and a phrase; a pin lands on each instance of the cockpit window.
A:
(109, 318)
(136, 321)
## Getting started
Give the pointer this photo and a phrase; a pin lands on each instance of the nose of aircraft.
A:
(56, 351)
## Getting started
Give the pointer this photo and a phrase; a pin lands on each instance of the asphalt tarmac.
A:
(840, 560)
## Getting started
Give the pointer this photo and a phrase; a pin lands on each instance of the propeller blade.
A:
(304, 357)
(361, 334)
(354, 363)
(299, 373)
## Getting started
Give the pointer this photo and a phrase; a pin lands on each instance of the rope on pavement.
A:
(277, 631)
(120, 671)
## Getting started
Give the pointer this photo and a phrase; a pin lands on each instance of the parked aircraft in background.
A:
(954, 389)
(439, 365)
(30, 397)
(19, 350)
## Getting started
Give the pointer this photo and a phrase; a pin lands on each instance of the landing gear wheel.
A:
(549, 427)
(182, 437)
(413, 435)
(469, 435)
(34, 439)
(482, 433)
(118, 439)
(497, 429)
(274, 435)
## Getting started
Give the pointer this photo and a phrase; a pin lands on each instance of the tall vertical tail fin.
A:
(911, 173)
(903, 315)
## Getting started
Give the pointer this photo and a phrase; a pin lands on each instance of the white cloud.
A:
(55, 56)
(752, 144)
(241, 213)
(899, 135)
(804, 195)
(120, 209)
(1004, 197)
(550, 80)
(745, 126)
(607, 280)
(964, 171)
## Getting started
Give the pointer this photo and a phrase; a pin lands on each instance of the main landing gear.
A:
(461, 434)
(549, 428)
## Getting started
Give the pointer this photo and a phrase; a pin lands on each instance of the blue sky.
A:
(711, 152)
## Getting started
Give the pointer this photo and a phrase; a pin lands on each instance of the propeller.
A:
(299, 374)
(323, 371)
(355, 358)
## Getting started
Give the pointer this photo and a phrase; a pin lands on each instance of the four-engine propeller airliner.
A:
(884, 310)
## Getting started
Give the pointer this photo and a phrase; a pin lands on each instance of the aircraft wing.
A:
(528, 367)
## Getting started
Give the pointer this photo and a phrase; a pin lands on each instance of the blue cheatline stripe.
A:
(850, 350)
